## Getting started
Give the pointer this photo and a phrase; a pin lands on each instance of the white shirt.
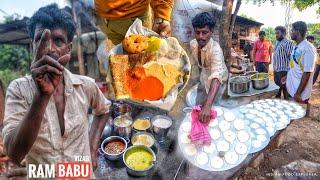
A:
(212, 62)
(302, 59)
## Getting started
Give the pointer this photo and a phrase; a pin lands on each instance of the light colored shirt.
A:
(212, 62)
(262, 50)
(281, 55)
(50, 147)
(303, 58)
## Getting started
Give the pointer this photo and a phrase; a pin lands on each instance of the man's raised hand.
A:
(46, 71)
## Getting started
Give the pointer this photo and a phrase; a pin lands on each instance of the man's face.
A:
(261, 37)
(294, 34)
(203, 35)
(279, 35)
(58, 44)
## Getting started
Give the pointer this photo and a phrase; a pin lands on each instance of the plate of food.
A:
(259, 137)
(230, 143)
(294, 110)
(263, 117)
(148, 70)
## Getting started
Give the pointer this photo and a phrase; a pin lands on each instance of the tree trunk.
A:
(224, 36)
(234, 16)
(78, 33)
(2, 104)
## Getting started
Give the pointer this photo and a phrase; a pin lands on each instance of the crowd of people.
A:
(295, 62)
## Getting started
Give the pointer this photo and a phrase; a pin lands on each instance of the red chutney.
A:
(114, 147)
(142, 87)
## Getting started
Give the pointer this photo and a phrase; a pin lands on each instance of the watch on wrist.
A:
(161, 21)
(158, 21)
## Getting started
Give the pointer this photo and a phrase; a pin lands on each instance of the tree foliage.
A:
(270, 34)
(14, 62)
(304, 4)
(11, 18)
(299, 4)
(14, 57)
(246, 16)
(6, 76)
(314, 30)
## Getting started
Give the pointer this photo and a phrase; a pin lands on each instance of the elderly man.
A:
(46, 113)
(302, 63)
(209, 57)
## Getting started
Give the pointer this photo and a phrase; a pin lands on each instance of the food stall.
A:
(155, 143)
(170, 162)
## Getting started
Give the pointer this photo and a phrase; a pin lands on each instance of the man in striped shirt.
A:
(281, 57)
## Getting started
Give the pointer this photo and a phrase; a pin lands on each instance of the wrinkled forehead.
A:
(55, 31)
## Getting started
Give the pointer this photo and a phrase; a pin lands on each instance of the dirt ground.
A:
(299, 141)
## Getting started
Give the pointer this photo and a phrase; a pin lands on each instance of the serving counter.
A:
(170, 162)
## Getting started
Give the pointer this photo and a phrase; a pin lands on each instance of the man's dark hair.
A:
(282, 29)
(203, 19)
(301, 27)
(51, 17)
(310, 37)
(262, 33)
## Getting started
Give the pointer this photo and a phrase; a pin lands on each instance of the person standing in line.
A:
(302, 62)
(281, 58)
(262, 53)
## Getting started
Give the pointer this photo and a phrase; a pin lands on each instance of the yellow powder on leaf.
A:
(168, 74)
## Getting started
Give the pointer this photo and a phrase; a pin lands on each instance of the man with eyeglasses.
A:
(302, 62)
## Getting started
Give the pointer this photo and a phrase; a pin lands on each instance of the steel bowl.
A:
(260, 80)
(123, 131)
(107, 131)
(121, 108)
(135, 130)
(239, 84)
(138, 173)
(133, 139)
(112, 157)
(160, 133)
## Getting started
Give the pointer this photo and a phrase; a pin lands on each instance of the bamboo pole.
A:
(78, 34)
